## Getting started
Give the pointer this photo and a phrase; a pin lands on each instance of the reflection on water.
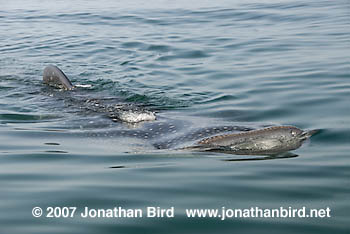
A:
(199, 66)
(280, 156)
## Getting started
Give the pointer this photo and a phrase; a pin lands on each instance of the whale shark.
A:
(271, 140)
(238, 140)
(53, 76)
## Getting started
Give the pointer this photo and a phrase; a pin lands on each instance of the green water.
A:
(198, 65)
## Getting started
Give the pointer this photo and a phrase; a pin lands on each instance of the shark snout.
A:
(307, 134)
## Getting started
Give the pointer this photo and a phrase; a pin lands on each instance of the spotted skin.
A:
(270, 140)
(174, 134)
(124, 112)
(196, 135)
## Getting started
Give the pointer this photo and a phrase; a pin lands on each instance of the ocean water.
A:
(198, 64)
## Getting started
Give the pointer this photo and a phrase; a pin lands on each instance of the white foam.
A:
(83, 85)
(136, 116)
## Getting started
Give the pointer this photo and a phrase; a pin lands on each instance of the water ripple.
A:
(213, 63)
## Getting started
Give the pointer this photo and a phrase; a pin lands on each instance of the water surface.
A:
(251, 63)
